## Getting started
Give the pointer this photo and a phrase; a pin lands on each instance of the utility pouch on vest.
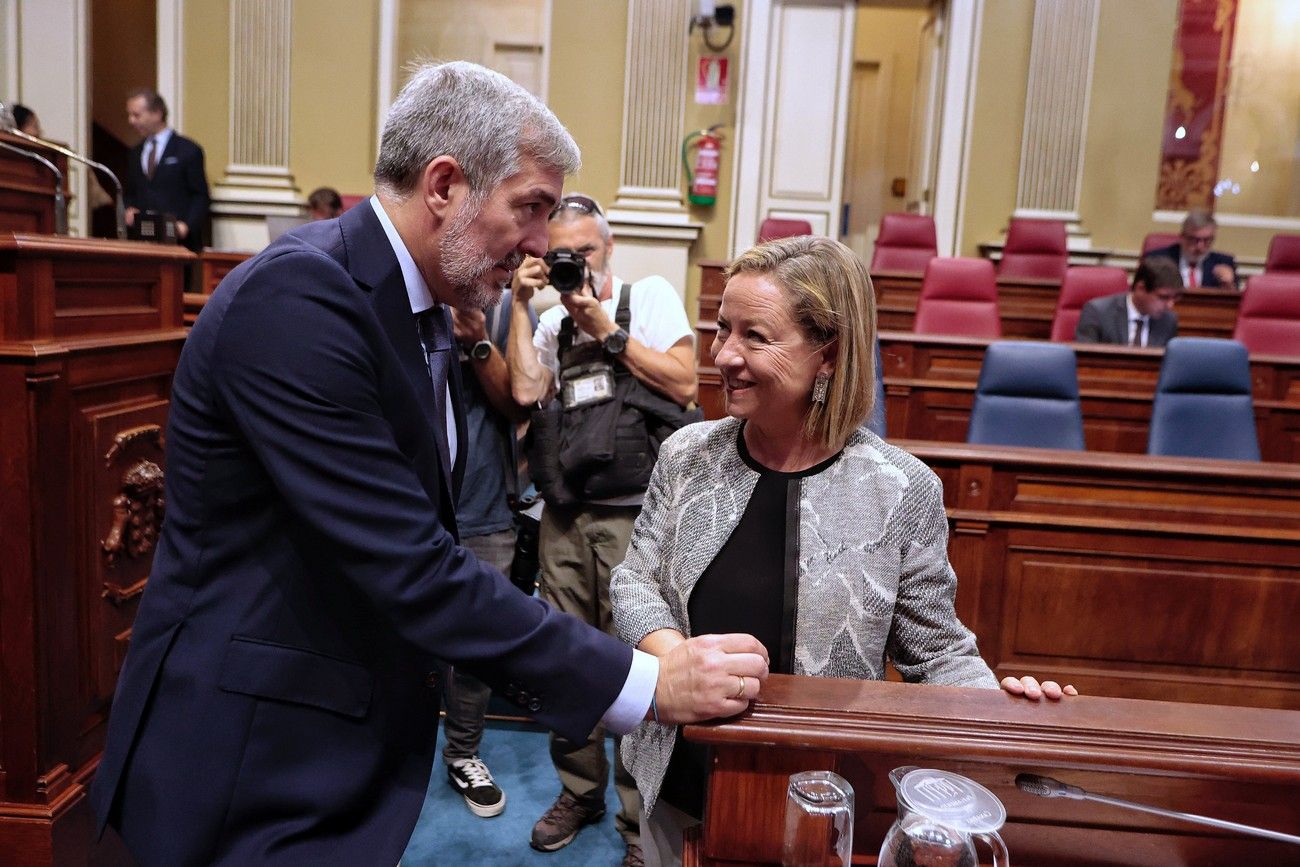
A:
(587, 384)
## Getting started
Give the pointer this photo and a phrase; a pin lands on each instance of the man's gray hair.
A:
(1197, 218)
(478, 117)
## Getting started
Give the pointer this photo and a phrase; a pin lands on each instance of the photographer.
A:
(616, 389)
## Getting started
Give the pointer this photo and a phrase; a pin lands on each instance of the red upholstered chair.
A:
(776, 227)
(907, 242)
(1080, 286)
(1268, 321)
(959, 296)
(1283, 255)
(1035, 249)
(349, 200)
(1156, 240)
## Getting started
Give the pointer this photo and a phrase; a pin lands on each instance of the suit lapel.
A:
(372, 263)
(1120, 319)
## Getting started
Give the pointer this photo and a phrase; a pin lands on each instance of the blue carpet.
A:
(448, 833)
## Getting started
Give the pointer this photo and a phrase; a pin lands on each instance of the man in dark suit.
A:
(165, 172)
(1143, 316)
(276, 705)
(1197, 263)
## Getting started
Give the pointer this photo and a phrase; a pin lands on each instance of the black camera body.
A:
(568, 269)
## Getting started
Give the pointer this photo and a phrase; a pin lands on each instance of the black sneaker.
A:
(472, 779)
(562, 822)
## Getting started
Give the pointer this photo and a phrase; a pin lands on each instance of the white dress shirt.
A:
(160, 140)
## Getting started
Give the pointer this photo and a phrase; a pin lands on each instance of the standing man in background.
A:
(165, 172)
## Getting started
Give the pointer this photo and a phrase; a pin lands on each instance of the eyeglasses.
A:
(1198, 240)
(579, 202)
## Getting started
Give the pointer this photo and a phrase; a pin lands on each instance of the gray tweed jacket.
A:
(874, 577)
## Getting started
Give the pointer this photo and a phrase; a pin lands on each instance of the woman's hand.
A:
(1028, 687)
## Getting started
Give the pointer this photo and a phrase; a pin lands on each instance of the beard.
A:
(466, 265)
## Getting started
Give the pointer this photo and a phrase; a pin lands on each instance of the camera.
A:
(525, 565)
(568, 269)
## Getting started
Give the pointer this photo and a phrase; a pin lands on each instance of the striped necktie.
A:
(151, 157)
(435, 333)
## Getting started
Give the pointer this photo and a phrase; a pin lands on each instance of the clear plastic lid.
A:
(952, 800)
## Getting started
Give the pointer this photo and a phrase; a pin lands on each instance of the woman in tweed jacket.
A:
(843, 535)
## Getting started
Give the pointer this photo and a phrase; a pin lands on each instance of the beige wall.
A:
(332, 103)
(207, 81)
(1122, 151)
(996, 129)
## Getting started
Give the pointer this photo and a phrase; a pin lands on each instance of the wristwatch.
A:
(481, 350)
(615, 343)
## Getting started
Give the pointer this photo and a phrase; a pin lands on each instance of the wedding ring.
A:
(740, 691)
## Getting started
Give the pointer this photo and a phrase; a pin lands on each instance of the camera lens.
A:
(568, 270)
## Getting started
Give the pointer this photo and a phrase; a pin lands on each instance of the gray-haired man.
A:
(276, 705)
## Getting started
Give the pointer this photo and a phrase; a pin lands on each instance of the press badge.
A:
(587, 385)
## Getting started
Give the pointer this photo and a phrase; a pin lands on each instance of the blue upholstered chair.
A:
(1203, 407)
(1028, 395)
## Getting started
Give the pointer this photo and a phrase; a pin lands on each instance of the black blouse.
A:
(749, 587)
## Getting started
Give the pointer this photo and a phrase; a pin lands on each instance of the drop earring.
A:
(820, 386)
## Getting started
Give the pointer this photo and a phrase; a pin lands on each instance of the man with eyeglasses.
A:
(1143, 316)
(606, 345)
(1200, 266)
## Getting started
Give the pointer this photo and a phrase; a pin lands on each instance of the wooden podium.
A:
(27, 187)
(90, 334)
(1238, 764)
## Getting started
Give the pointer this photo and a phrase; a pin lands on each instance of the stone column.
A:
(1056, 109)
(257, 182)
(652, 227)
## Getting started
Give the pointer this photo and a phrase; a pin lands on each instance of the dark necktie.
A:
(1138, 329)
(151, 157)
(435, 333)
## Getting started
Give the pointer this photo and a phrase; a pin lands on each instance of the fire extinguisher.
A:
(702, 181)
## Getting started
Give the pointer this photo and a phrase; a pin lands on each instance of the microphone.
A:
(7, 124)
(1047, 787)
(60, 204)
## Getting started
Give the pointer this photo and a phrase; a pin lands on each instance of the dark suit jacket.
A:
(275, 706)
(1208, 263)
(179, 186)
(1105, 320)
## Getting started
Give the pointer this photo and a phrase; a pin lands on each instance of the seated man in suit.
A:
(1198, 265)
(165, 172)
(1143, 316)
(279, 700)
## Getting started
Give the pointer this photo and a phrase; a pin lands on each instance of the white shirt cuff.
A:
(629, 709)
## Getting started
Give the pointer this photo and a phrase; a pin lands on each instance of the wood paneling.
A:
(90, 333)
(27, 187)
(1239, 764)
(1139, 577)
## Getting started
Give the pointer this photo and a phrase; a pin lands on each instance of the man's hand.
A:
(130, 215)
(182, 229)
(709, 676)
(588, 314)
(468, 326)
(529, 277)
(1224, 277)
(1028, 687)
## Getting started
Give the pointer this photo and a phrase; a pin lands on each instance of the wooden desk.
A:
(90, 334)
(1160, 578)
(1239, 764)
(930, 385)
